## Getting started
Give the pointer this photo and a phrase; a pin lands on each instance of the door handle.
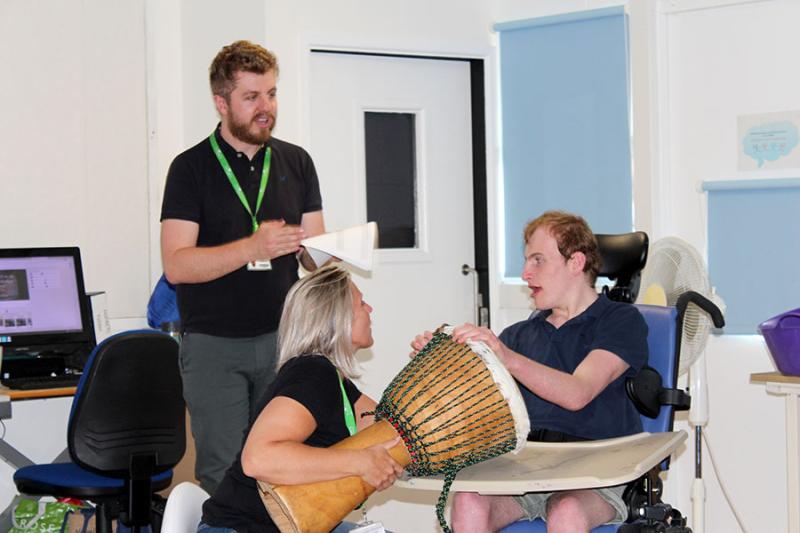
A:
(481, 314)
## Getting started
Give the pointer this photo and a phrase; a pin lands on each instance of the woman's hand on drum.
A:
(378, 468)
(419, 342)
(471, 332)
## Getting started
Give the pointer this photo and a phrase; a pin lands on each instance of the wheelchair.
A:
(653, 391)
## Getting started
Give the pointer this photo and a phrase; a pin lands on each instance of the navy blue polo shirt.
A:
(613, 326)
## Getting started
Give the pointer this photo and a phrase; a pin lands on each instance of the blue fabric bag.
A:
(163, 305)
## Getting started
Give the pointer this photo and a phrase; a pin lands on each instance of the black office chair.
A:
(126, 431)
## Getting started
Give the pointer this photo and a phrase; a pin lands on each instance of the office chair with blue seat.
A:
(653, 390)
(126, 431)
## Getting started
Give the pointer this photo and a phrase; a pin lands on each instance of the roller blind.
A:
(754, 248)
(565, 124)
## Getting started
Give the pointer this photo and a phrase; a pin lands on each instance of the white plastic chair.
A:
(184, 508)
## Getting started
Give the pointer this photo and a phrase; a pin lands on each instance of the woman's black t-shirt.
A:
(310, 380)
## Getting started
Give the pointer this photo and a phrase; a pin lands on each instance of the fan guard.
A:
(677, 267)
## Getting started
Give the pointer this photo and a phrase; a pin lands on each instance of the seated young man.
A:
(571, 359)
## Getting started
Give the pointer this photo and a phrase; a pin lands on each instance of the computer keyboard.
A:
(42, 382)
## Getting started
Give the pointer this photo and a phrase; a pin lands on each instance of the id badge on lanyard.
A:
(264, 264)
(259, 264)
(369, 527)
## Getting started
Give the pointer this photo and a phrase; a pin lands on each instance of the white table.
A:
(788, 386)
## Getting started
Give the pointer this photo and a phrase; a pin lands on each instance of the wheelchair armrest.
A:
(677, 398)
(648, 394)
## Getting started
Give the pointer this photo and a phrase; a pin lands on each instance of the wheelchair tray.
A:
(545, 467)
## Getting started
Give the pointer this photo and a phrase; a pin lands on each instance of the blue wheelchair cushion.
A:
(539, 526)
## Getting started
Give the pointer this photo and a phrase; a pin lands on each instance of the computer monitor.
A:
(43, 303)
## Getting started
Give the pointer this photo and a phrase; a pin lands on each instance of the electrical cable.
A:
(722, 485)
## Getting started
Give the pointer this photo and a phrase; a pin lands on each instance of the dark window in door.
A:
(390, 149)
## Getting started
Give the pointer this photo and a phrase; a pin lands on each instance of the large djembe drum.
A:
(453, 405)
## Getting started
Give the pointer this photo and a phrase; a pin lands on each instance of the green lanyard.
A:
(349, 417)
(235, 183)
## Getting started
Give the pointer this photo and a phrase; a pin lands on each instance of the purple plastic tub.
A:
(782, 334)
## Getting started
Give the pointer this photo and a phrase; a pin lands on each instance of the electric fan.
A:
(675, 273)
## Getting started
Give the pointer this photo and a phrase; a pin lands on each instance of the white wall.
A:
(74, 165)
(93, 122)
(717, 64)
(73, 149)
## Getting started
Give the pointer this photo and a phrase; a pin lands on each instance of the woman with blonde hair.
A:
(324, 322)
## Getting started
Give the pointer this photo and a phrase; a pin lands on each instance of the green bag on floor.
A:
(39, 517)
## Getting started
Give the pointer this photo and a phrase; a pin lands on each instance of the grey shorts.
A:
(534, 504)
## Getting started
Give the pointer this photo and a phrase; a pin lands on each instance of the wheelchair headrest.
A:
(623, 258)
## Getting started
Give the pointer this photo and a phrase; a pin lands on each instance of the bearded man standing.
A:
(236, 207)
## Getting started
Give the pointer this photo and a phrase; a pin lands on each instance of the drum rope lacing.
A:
(482, 424)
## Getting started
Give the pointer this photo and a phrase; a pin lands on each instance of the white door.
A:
(410, 289)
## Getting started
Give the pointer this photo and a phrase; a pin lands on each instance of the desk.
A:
(15, 458)
(788, 386)
(8, 453)
(37, 394)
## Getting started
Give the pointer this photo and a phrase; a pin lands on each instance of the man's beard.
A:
(241, 130)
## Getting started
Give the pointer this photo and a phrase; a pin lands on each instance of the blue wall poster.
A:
(769, 140)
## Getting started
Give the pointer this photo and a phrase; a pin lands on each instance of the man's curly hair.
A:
(240, 56)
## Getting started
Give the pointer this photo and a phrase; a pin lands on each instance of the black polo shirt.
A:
(311, 381)
(243, 303)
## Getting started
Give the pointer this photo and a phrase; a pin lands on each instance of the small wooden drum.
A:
(453, 405)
